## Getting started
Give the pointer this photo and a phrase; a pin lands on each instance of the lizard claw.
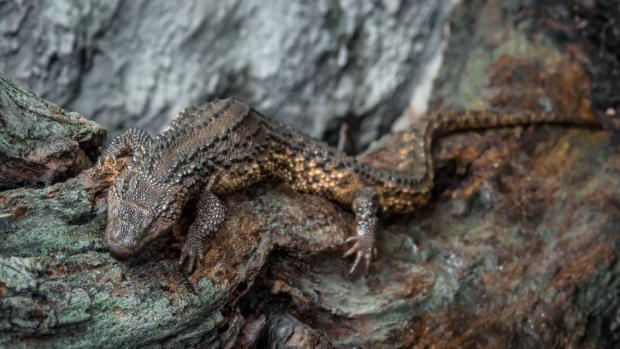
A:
(191, 255)
(364, 250)
(105, 157)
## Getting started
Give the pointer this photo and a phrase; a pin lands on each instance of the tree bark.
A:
(40, 143)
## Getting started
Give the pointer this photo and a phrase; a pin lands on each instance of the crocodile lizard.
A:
(224, 146)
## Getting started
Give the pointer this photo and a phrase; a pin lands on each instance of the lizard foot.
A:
(191, 255)
(105, 158)
(364, 250)
(365, 207)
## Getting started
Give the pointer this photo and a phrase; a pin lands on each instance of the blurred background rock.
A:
(311, 64)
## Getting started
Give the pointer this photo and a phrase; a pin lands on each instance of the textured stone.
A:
(310, 64)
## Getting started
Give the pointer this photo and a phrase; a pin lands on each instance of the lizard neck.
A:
(188, 151)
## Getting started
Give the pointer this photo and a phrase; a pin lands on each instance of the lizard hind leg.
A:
(211, 213)
(365, 207)
(125, 143)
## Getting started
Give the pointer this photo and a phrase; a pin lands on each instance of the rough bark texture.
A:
(309, 63)
(519, 247)
(597, 25)
(40, 142)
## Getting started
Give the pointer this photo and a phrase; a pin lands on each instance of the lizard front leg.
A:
(365, 206)
(211, 213)
(126, 142)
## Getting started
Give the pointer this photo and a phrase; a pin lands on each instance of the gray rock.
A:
(310, 64)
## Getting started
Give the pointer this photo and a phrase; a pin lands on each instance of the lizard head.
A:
(139, 210)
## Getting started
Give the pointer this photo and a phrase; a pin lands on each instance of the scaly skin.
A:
(231, 146)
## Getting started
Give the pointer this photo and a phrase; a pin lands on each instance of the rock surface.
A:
(310, 64)
(518, 248)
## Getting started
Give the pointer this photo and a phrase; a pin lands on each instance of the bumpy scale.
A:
(225, 145)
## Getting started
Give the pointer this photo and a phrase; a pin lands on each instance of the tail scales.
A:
(456, 120)
(417, 142)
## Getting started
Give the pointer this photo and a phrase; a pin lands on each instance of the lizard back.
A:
(240, 146)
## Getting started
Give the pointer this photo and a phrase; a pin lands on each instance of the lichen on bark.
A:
(40, 143)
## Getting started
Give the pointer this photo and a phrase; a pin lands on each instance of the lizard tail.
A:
(456, 120)
(460, 120)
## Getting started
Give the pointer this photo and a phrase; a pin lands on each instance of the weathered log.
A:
(537, 267)
(40, 143)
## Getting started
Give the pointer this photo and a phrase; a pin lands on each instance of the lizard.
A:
(226, 145)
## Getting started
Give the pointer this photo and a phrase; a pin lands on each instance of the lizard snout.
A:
(119, 250)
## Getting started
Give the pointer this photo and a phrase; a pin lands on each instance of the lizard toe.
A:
(364, 250)
(191, 255)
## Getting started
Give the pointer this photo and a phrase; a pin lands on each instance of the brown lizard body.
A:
(231, 146)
